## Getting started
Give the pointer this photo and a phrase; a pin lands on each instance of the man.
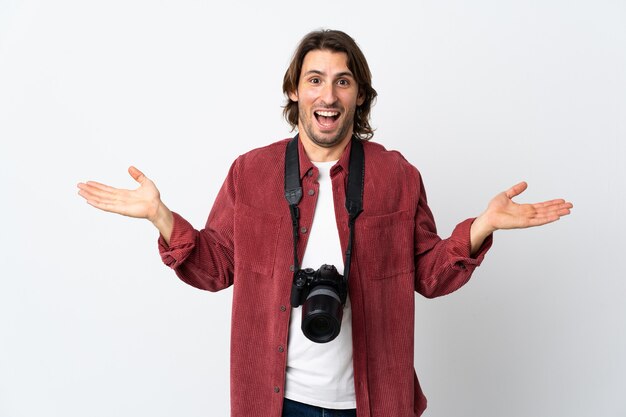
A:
(249, 240)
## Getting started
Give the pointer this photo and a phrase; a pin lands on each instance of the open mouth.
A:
(326, 118)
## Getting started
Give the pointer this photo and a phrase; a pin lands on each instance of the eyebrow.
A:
(338, 75)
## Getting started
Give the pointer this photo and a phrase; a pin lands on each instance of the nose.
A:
(328, 94)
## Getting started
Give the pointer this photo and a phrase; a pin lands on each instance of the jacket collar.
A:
(341, 165)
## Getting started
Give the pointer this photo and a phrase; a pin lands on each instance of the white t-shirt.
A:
(321, 374)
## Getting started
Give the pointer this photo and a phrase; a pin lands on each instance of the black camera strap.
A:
(354, 194)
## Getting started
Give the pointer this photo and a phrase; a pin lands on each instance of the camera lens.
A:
(321, 314)
(319, 326)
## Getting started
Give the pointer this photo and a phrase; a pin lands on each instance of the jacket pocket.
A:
(385, 245)
(256, 239)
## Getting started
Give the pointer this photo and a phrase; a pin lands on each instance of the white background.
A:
(478, 95)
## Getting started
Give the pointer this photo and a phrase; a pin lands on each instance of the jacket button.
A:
(281, 349)
(311, 191)
(276, 389)
(310, 173)
(283, 308)
(303, 229)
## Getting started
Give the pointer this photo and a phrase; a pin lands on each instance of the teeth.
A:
(327, 113)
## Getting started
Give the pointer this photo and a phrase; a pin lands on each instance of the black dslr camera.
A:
(322, 294)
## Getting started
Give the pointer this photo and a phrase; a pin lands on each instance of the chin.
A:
(326, 143)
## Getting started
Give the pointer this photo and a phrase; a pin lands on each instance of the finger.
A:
(108, 207)
(549, 203)
(556, 207)
(105, 194)
(560, 211)
(548, 217)
(96, 196)
(517, 189)
(540, 221)
(563, 212)
(100, 192)
(136, 174)
(113, 202)
(553, 205)
(87, 194)
(99, 186)
(84, 194)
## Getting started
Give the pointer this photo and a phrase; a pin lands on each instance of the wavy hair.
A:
(336, 41)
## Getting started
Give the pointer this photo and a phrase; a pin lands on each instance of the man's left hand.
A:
(503, 213)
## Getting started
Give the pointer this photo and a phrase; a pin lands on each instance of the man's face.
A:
(327, 97)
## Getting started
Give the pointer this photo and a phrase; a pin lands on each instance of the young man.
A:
(249, 240)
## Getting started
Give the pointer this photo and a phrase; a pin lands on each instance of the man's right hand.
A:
(144, 202)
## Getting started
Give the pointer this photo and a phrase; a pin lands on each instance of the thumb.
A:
(517, 189)
(136, 174)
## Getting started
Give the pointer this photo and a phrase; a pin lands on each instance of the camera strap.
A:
(354, 194)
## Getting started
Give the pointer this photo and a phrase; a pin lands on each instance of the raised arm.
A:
(143, 202)
(503, 213)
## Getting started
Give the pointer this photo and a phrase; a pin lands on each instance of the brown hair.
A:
(336, 41)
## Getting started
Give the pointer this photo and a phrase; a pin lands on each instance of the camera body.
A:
(322, 294)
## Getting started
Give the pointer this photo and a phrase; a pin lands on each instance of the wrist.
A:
(482, 227)
(479, 231)
(162, 217)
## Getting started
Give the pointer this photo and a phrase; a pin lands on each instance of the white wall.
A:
(478, 95)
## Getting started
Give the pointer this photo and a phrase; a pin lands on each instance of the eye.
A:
(343, 82)
(314, 80)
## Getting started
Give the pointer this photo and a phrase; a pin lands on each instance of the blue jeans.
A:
(296, 409)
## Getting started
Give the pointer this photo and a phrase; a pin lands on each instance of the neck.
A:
(317, 153)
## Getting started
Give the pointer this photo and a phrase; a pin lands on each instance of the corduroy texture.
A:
(247, 242)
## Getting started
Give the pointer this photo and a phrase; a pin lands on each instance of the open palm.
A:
(142, 202)
(503, 213)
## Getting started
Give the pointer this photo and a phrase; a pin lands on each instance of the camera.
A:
(322, 294)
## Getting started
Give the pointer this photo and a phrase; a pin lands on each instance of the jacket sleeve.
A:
(204, 258)
(442, 265)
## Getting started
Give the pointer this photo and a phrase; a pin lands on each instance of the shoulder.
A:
(256, 177)
(391, 161)
(265, 160)
(273, 153)
(392, 180)
(378, 151)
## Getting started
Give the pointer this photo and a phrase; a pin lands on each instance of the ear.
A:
(293, 95)
(360, 99)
